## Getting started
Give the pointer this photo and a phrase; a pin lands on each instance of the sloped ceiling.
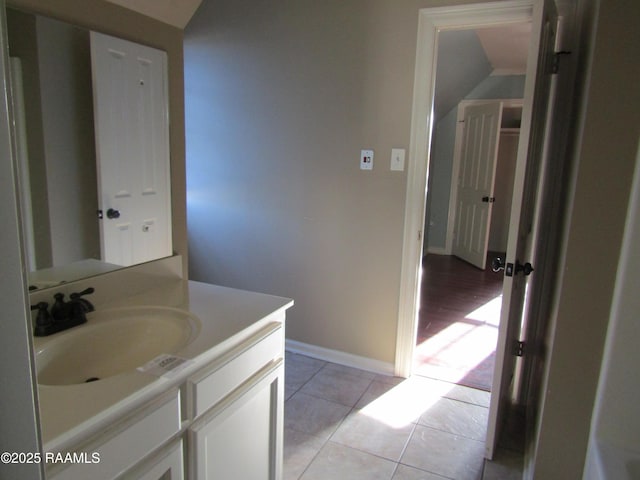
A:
(506, 47)
(467, 57)
(174, 12)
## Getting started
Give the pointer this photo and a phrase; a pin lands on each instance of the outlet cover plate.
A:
(366, 159)
(397, 159)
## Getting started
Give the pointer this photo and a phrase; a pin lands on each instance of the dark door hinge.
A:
(555, 66)
(518, 350)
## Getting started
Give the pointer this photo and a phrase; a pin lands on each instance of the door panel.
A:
(519, 248)
(476, 181)
(132, 144)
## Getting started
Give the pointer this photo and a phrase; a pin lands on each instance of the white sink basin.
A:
(112, 342)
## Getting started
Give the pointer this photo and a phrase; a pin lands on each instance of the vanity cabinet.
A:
(222, 420)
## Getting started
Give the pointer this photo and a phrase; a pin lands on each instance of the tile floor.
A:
(343, 423)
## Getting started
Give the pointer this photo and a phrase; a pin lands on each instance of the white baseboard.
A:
(438, 251)
(335, 356)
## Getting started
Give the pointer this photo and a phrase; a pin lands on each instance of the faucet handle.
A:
(86, 291)
(43, 317)
(58, 309)
(86, 304)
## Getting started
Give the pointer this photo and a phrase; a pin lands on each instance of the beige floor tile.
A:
(469, 395)
(299, 450)
(337, 386)
(401, 404)
(445, 454)
(403, 472)
(372, 435)
(343, 369)
(457, 417)
(337, 462)
(298, 369)
(312, 415)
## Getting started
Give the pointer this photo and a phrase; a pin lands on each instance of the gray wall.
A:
(462, 65)
(280, 99)
(69, 147)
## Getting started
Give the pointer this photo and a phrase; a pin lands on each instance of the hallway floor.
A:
(343, 423)
(458, 321)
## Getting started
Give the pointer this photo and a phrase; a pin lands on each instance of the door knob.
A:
(526, 269)
(112, 213)
(497, 264)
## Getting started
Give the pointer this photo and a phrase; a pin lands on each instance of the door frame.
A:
(455, 166)
(431, 21)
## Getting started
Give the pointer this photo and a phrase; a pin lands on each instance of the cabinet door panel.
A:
(242, 436)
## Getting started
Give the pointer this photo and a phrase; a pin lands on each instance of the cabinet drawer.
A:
(211, 385)
(130, 440)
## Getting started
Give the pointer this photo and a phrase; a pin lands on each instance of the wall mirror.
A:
(91, 122)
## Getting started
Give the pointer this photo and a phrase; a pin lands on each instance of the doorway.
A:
(460, 303)
(537, 92)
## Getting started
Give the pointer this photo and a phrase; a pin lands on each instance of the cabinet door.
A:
(241, 437)
(167, 465)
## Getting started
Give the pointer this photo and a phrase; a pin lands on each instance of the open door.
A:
(132, 150)
(476, 180)
(519, 247)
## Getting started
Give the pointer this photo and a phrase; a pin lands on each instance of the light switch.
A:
(366, 159)
(397, 159)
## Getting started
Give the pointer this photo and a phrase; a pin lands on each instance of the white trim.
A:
(431, 21)
(336, 356)
(438, 251)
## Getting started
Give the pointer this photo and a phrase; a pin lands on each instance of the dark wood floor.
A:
(451, 346)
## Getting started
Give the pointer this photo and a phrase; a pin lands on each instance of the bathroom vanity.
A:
(212, 407)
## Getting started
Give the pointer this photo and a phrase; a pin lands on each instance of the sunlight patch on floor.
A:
(460, 344)
(457, 350)
(404, 403)
(488, 313)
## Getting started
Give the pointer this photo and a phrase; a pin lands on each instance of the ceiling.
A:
(174, 12)
(506, 47)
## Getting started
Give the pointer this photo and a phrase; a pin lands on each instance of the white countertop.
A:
(71, 413)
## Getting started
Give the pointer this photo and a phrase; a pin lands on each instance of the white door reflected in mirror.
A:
(132, 147)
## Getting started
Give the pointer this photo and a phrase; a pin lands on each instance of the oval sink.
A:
(112, 342)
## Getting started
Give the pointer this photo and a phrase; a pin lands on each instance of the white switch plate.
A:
(397, 159)
(366, 159)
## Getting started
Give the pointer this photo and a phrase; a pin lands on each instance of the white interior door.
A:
(519, 248)
(132, 146)
(476, 181)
